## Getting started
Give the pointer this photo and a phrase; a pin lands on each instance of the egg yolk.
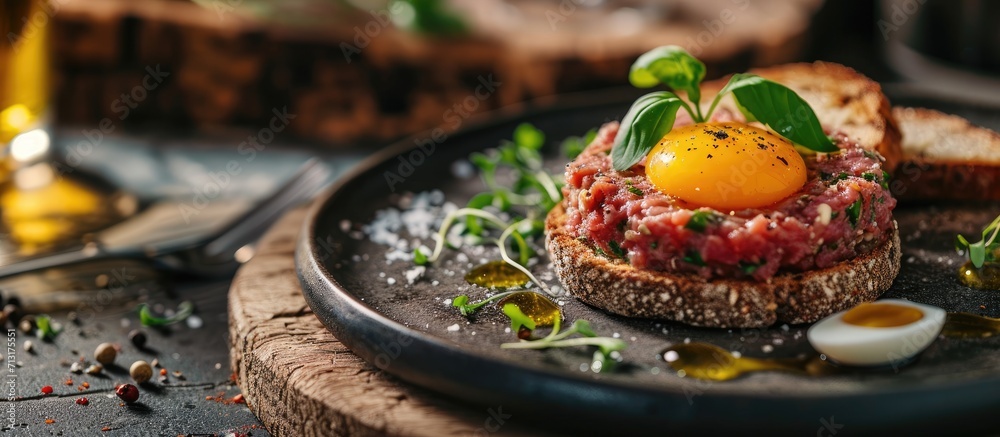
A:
(725, 165)
(882, 315)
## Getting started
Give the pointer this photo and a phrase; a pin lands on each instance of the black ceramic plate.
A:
(367, 303)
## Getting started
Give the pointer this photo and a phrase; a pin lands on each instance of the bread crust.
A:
(841, 98)
(619, 288)
(923, 177)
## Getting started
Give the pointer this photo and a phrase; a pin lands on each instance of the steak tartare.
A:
(844, 210)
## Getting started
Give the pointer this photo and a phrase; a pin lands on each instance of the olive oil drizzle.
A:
(966, 325)
(497, 275)
(709, 362)
(986, 277)
(540, 309)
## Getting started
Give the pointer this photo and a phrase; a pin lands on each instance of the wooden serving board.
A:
(300, 381)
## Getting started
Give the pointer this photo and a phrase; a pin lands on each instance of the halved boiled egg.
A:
(725, 165)
(888, 331)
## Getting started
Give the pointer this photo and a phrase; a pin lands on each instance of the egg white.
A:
(856, 345)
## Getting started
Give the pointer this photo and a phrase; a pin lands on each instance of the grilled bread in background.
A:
(945, 158)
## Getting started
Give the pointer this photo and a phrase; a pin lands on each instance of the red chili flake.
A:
(50, 421)
(106, 429)
(127, 392)
(163, 372)
(47, 389)
(85, 384)
(82, 401)
(238, 399)
(69, 381)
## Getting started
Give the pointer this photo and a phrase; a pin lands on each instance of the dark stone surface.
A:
(175, 407)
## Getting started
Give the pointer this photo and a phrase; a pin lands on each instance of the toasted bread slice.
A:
(946, 157)
(843, 100)
(615, 286)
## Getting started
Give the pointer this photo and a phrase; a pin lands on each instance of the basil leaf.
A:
(780, 108)
(672, 66)
(645, 123)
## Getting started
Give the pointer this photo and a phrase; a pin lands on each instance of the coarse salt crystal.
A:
(454, 328)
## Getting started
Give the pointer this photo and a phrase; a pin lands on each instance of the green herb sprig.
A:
(985, 250)
(467, 309)
(146, 317)
(557, 338)
(759, 99)
(47, 329)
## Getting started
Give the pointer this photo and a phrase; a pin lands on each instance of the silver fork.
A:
(212, 257)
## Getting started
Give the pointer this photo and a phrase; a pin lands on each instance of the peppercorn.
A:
(12, 311)
(27, 324)
(105, 353)
(140, 371)
(127, 392)
(47, 389)
(138, 338)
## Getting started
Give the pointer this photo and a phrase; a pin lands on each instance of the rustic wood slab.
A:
(301, 381)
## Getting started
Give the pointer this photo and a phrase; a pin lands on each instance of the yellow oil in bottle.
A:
(497, 275)
(39, 210)
(986, 277)
(539, 308)
(24, 77)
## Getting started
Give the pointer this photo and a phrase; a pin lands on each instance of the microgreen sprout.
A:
(986, 249)
(147, 318)
(467, 309)
(47, 329)
(585, 336)
(528, 198)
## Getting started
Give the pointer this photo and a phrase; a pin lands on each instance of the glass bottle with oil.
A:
(24, 80)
